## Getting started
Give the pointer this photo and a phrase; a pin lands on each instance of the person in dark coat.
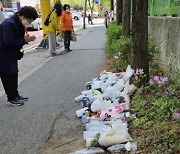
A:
(13, 35)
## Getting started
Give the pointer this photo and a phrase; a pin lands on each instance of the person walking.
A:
(107, 19)
(12, 39)
(54, 27)
(67, 26)
(89, 19)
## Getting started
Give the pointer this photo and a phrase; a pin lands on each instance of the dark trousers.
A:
(10, 84)
(67, 39)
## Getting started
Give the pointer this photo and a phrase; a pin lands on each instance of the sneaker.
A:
(16, 102)
(22, 98)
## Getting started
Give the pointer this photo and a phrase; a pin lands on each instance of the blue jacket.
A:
(11, 41)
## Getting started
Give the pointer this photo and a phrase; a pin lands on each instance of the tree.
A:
(126, 17)
(119, 11)
(112, 9)
(105, 4)
(84, 17)
(139, 55)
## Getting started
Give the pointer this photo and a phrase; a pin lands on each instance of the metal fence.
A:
(164, 7)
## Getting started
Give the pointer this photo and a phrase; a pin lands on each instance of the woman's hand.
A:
(29, 38)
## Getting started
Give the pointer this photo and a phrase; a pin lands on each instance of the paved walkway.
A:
(46, 124)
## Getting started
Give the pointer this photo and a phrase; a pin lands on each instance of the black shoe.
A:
(16, 102)
(69, 49)
(22, 98)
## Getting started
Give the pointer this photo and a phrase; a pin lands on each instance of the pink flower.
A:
(159, 82)
(136, 77)
(151, 82)
(156, 78)
(176, 115)
(167, 92)
(141, 71)
(164, 79)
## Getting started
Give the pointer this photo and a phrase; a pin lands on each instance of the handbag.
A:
(73, 36)
(20, 54)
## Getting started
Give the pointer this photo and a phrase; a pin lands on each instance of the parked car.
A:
(76, 16)
(96, 14)
(35, 25)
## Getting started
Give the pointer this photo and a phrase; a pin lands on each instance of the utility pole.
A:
(84, 17)
(45, 9)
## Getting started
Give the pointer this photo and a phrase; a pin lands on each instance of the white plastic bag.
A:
(129, 72)
(126, 97)
(99, 105)
(118, 124)
(89, 134)
(114, 137)
(120, 84)
(129, 89)
(96, 85)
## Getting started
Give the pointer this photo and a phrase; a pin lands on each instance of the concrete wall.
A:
(165, 31)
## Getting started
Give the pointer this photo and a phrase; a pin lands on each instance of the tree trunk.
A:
(139, 55)
(119, 11)
(84, 17)
(112, 10)
(126, 17)
(91, 6)
(92, 16)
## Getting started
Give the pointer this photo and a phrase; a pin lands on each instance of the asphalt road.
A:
(47, 122)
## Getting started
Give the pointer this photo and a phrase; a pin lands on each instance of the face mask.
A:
(25, 22)
(67, 10)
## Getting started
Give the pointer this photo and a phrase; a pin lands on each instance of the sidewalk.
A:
(47, 124)
(36, 58)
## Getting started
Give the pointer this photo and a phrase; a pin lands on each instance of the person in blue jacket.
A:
(13, 35)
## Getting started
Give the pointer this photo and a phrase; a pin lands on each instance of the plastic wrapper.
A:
(111, 92)
(90, 134)
(99, 104)
(119, 124)
(114, 110)
(120, 84)
(116, 148)
(129, 72)
(129, 89)
(96, 85)
(91, 150)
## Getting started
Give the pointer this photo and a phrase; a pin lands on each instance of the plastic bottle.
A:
(84, 120)
(87, 113)
(84, 102)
